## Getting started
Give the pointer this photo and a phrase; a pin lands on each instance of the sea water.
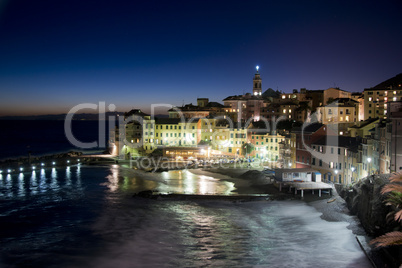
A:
(18, 138)
(87, 217)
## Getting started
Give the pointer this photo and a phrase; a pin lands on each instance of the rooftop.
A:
(338, 141)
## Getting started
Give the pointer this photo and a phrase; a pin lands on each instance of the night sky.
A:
(57, 54)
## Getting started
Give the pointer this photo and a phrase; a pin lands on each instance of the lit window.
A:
(370, 98)
(394, 99)
(394, 92)
(283, 96)
(290, 110)
(284, 111)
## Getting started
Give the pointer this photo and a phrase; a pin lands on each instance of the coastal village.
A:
(344, 136)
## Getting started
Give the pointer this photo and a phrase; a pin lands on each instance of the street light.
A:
(336, 177)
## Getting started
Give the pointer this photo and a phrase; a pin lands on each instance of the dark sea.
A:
(18, 137)
(79, 216)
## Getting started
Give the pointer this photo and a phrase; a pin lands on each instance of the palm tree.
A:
(394, 199)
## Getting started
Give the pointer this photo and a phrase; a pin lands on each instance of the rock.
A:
(365, 200)
(144, 194)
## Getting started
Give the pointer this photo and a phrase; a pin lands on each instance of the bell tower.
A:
(257, 83)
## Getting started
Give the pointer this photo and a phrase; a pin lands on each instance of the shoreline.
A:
(335, 211)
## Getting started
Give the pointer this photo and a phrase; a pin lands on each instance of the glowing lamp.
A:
(54, 163)
(21, 169)
(42, 164)
(257, 67)
(9, 170)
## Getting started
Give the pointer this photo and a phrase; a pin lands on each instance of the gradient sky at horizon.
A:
(57, 54)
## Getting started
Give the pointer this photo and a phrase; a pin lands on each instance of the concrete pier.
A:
(304, 186)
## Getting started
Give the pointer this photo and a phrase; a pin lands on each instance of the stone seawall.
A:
(364, 200)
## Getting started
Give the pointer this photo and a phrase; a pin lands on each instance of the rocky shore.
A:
(364, 199)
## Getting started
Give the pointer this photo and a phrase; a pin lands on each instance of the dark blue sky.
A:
(57, 54)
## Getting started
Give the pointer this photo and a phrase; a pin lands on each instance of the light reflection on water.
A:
(185, 182)
(40, 182)
(86, 217)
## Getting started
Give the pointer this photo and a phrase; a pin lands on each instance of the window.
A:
(313, 161)
(339, 151)
(332, 150)
(320, 163)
